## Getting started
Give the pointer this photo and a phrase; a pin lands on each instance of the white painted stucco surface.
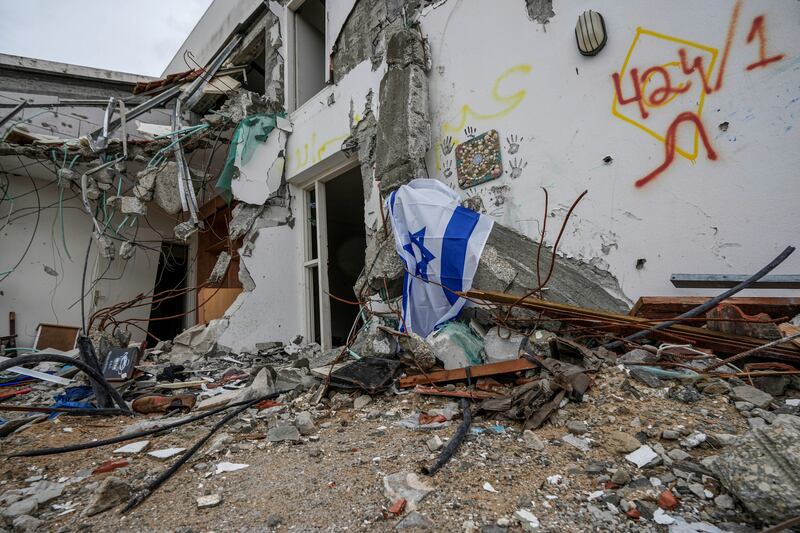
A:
(38, 297)
(496, 69)
(273, 310)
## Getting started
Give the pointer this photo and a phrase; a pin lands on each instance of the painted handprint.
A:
(448, 168)
(513, 143)
(517, 164)
(469, 131)
(447, 145)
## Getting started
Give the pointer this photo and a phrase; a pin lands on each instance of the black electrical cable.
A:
(83, 282)
(147, 491)
(33, 234)
(129, 436)
(93, 374)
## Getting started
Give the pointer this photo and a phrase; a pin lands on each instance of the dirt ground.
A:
(333, 481)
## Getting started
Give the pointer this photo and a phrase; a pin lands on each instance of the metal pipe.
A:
(13, 113)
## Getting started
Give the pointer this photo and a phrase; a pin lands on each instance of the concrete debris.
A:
(165, 191)
(225, 467)
(145, 185)
(502, 345)
(407, 486)
(243, 217)
(131, 205)
(417, 349)
(220, 268)
(134, 447)
(184, 230)
(746, 393)
(196, 341)
(111, 492)
(642, 456)
(212, 500)
(762, 472)
(165, 453)
(126, 250)
(456, 345)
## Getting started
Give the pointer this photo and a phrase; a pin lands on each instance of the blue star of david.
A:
(418, 239)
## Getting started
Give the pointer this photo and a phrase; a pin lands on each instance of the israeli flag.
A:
(440, 243)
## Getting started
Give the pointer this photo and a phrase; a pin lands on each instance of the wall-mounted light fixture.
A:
(590, 32)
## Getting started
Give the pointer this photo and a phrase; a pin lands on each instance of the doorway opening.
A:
(167, 317)
(347, 241)
(335, 238)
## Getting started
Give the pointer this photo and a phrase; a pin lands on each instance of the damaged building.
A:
(627, 159)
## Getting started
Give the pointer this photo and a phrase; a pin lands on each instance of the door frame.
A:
(316, 183)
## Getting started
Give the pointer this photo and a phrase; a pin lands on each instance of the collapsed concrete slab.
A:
(508, 264)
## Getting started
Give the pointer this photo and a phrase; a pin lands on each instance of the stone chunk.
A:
(212, 500)
(746, 393)
(26, 524)
(305, 423)
(620, 442)
(111, 492)
(283, 434)
(20, 508)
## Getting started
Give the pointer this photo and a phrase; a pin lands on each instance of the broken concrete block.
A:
(405, 48)
(92, 190)
(126, 250)
(374, 342)
(220, 268)
(184, 230)
(243, 216)
(403, 136)
(145, 186)
(501, 345)
(417, 349)
(131, 205)
(761, 471)
(166, 193)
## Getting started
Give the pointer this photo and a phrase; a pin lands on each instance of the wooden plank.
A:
(219, 300)
(472, 394)
(663, 307)
(457, 374)
(720, 342)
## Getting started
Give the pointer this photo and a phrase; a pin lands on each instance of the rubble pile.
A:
(478, 427)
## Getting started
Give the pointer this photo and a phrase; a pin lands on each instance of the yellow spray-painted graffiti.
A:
(466, 112)
(312, 152)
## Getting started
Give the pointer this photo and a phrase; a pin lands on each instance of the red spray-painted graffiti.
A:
(655, 88)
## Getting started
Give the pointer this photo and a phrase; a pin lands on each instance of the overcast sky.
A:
(137, 36)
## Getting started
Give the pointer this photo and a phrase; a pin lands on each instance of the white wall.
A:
(38, 297)
(215, 26)
(496, 69)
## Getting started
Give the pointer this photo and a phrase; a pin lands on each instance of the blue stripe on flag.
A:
(391, 202)
(454, 250)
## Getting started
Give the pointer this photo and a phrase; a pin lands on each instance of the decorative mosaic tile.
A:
(478, 160)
